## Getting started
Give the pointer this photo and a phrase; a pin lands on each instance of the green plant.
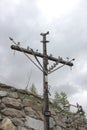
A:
(61, 102)
(33, 89)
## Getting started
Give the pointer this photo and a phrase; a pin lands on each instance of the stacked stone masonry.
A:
(21, 110)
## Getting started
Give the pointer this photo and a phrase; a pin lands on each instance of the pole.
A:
(17, 48)
(45, 84)
(45, 70)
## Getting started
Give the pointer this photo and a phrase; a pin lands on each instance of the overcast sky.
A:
(66, 20)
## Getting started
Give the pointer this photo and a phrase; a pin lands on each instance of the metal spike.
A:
(73, 59)
(18, 44)
(67, 58)
(51, 66)
(57, 62)
(50, 55)
(59, 58)
(37, 50)
(27, 47)
(54, 65)
(47, 32)
(11, 38)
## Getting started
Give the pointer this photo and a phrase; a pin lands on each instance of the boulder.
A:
(29, 111)
(13, 113)
(2, 106)
(6, 124)
(34, 123)
(23, 128)
(29, 103)
(17, 122)
(3, 94)
(13, 94)
(12, 102)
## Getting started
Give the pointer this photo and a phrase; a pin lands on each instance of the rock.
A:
(13, 112)
(34, 123)
(52, 112)
(52, 122)
(58, 128)
(29, 103)
(7, 124)
(17, 122)
(23, 128)
(0, 117)
(12, 102)
(37, 107)
(3, 94)
(38, 124)
(41, 117)
(59, 120)
(29, 111)
(2, 106)
(13, 94)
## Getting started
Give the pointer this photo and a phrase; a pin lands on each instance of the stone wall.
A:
(21, 110)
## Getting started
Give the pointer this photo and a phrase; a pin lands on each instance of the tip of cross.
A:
(44, 34)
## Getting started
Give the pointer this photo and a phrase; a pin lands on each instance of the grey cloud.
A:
(69, 89)
(70, 33)
(24, 21)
